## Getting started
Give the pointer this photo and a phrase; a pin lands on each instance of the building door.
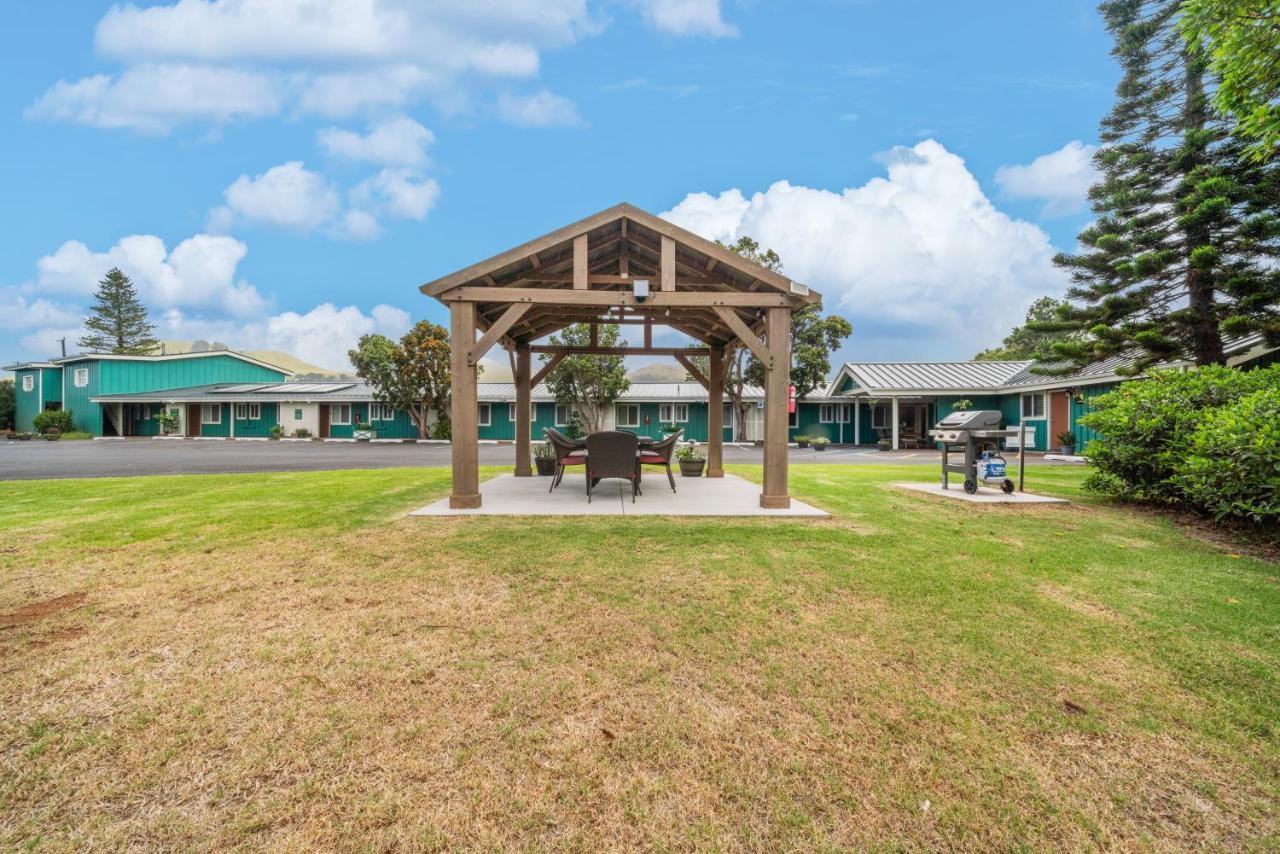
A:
(1059, 417)
(193, 419)
(324, 421)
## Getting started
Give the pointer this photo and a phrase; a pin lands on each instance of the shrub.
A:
(1232, 465)
(443, 429)
(302, 433)
(55, 419)
(1145, 426)
(169, 422)
(690, 452)
(276, 431)
(76, 435)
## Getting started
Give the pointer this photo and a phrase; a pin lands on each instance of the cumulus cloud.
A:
(397, 141)
(1060, 178)
(541, 109)
(688, 17)
(286, 196)
(398, 193)
(920, 260)
(153, 98)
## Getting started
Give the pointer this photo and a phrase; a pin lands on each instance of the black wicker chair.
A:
(566, 453)
(613, 454)
(660, 454)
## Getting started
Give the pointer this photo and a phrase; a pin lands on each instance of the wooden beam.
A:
(744, 333)
(533, 259)
(547, 367)
(580, 262)
(618, 351)
(465, 412)
(697, 375)
(667, 272)
(682, 280)
(777, 381)
(496, 331)
(648, 332)
(564, 296)
(523, 426)
(595, 335)
(711, 265)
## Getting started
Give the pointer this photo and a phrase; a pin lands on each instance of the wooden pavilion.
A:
(620, 266)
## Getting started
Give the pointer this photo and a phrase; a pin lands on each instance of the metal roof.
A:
(932, 376)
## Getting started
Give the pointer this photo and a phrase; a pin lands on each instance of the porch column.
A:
(523, 427)
(893, 417)
(777, 378)
(715, 413)
(857, 422)
(463, 407)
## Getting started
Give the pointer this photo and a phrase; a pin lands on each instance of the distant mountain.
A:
(659, 373)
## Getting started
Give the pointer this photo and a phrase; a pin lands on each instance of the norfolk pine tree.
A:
(117, 321)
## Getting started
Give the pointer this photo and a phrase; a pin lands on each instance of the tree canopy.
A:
(588, 383)
(8, 404)
(117, 321)
(1024, 343)
(412, 375)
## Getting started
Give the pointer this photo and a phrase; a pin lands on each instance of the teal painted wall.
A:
(223, 429)
(27, 403)
(346, 431)
(810, 424)
(127, 377)
(88, 415)
(399, 427)
(1085, 435)
(142, 419)
(52, 385)
(257, 428)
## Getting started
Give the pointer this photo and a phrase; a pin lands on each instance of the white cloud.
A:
(397, 141)
(200, 272)
(286, 196)
(1060, 178)
(321, 336)
(18, 312)
(541, 109)
(346, 93)
(398, 193)
(688, 17)
(356, 225)
(921, 261)
(153, 98)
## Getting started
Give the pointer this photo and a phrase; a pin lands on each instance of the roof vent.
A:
(799, 289)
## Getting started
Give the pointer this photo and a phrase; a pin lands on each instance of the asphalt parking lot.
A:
(126, 457)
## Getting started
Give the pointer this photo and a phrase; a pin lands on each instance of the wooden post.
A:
(715, 413)
(523, 427)
(777, 380)
(464, 409)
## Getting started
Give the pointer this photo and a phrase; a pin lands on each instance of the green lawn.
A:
(288, 661)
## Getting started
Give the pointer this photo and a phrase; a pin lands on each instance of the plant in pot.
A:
(169, 422)
(692, 459)
(802, 441)
(820, 443)
(276, 431)
(668, 429)
(544, 458)
(1067, 443)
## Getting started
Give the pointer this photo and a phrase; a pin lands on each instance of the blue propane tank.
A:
(990, 467)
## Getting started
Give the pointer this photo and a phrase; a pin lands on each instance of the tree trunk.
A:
(1206, 337)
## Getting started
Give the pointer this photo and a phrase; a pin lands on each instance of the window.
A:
(626, 415)
(211, 413)
(381, 412)
(248, 411)
(846, 413)
(826, 413)
(673, 413)
(880, 416)
(29, 382)
(297, 415)
(1033, 406)
(533, 412)
(486, 415)
(340, 413)
(81, 377)
(562, 414)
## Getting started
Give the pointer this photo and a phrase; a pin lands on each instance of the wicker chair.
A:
(566, 454)
(660, 454)
(613, 454)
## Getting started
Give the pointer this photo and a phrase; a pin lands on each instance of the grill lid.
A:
(971, 419)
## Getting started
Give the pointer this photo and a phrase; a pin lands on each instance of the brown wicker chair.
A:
(613, 454)
(566, 454)
(660, 454)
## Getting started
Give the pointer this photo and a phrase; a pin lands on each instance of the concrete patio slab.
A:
(508, 495)
(984, 495)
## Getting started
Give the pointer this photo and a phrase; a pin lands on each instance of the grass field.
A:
(287, 661)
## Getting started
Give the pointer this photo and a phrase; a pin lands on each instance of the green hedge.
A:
(1206, 439)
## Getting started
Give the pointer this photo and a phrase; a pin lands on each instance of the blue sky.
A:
(283, 175)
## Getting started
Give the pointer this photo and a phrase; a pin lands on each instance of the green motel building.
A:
(228, 395)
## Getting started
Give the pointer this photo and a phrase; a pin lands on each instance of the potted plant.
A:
(168, 421)
(363, 432)
(53, 434)
(802, 441)
(668, 429)
(276, 431)
(692, 460)
(820, 443)
(884, 443)
(1066, 443)
(23, 437)
(544, 458)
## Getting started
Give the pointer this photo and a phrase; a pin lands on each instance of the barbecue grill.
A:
(977, 434)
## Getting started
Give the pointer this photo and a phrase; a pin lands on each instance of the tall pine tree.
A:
(117, 322)
(1183, 248)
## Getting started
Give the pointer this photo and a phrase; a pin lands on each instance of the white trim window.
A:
(880, 416)
(826, 413)
(533, 412)
(248, 411)
(1032, 407)
(673, 413)
(485, 415)
(211, 413)
(626, 415)
(28, 382)
(381, 412)
(81, 378)
(340, 414)
(563, 413)
(846, 413)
